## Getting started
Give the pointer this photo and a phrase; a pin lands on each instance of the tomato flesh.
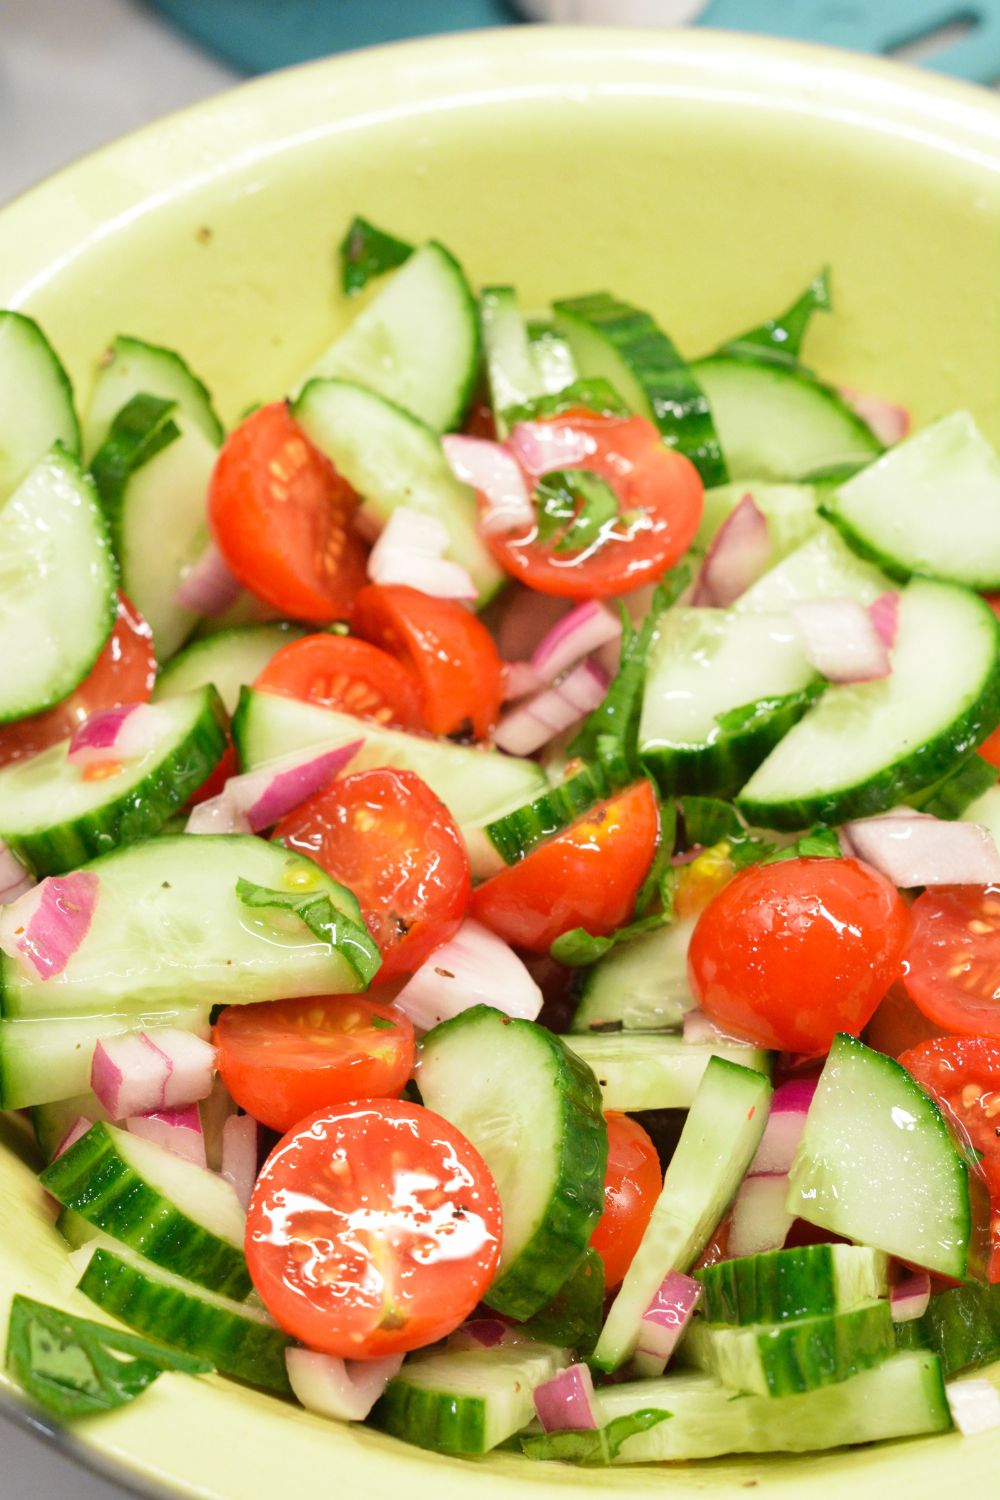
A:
(287, 1059)
(898, 1025)
(952, 970)
(385, 835)
(632, 1185)
(788, 954)
(348, 675)
(963, 1074)
(586, 876)
(374, 1228)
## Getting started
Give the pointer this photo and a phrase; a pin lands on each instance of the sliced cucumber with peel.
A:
(985, 811)
(824, 567)
(803, 1282)
(638, 986)
(961, 1326)
(534, 1114)
(132, 367)
(231, 660)
(552, 355)
(511, 369)
(516, 833)
(639, 1072)
(36, 401)
(802, 1354)
(789, 509)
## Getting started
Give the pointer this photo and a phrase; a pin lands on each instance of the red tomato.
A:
(374, 1228)
(339, 672)
(449, 652)
(791, 953)
(284, 1060)
(213, 785)
(587, 876)
(952, 969)
(660, 503)
(898, 1024)
(280, 514)
(123, 673)
(963, 1074)
(385, 835)
(632, 1185)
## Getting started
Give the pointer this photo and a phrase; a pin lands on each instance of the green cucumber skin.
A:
(92, 1180)
(789, 1359)
(780, 1285)
(137, 815)
(515, 834)
(891, 566)
(241, 1347)
(961, 1326)
(421, 1417)
(951, 797)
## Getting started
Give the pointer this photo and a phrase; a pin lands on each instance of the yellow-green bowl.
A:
(702, 175)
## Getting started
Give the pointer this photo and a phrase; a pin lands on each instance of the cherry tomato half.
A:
(373, 1229)
(351, 676)
(280, 515)
(586, 876)
(791, 953)
(898, 1025)
(632, 1185)
(659, 498)
(123, 673)
(952, 969)
(963, 1074)
(286, 1059)
(449, 652)
(385, 835)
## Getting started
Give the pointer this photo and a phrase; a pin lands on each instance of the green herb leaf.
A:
(949, 797)
(818, 843)
(593, 1448)
(367, 252)
(595, 395)
(779, 339)
(578, 947)
(381, 1023)
(574, 507)
(74, 1367)
(141, 429)
(324, 921)
(651, 889)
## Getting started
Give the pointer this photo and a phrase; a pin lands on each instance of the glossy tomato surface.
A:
(632, 1185)
(351, 676)
(963, 1074)
(952, 970)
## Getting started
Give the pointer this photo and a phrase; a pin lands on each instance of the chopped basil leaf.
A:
(574, 507)
(579, 947)
(380, 1023)
(324, 921)
(141, 429)
(779, 339)
(818, 843)
(651, 889)
(593, 1447)
(367, 252)
(597, 395)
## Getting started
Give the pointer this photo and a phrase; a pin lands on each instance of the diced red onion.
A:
(567, 1402)
(176, 1130)
(208, 587)
(480, 1333)
(912, 849)
(345, 1390)
(239, 1155)
(524, 619)
(840, 640)
(78, 1129)
(585, 629)
(889, 423)
(135, 1073)
(520, 679)
(540, 718)
(665, 1320)
(474, 968)
(117, 734)
(257, 799)
(760, 1221)
(44, 927)
(541, 447)
(909, 1298)
(884, 612)
(14, 878)
(738, 554)
(785, 1123)
(217, 815)
(411, 549)
(975, 1406)
(495, 475)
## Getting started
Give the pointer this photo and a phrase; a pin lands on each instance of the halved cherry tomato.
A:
(123, 673)
(788, 954)
(449, 652)
(659, 496)
(587, 876)
(374, 1228)
(632, 1185)
(952, 970)
(280, 515)
(385, 835)
(898, 1025)
(337, 671)
(286, 1059)
(963, 1074)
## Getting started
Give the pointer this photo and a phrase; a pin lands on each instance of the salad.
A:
(499, 884)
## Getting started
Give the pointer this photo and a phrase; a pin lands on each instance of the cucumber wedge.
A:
(511, 369)
(961, 1326)
(535, 1116)
(131, 367)
(230, 661)
(638, 986)
(36, 400)
(824, 567)
(655, 1072)
(552, 355)
(864, 747)
(516, 833)
(803, 1282)
(789, 509)
(58, 584)
(878, 1164)
(787, 1359)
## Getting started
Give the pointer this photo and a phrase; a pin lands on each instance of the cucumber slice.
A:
(864, 747)
(511, 369)
(393, 459)
(787, 1359)
(52, 1122)
(716, 1146)
(704, 664)
(877, 1164)
(239, 1340)
(573, 1318)
(152, 472)
(167, 1209)
(789, 509)
(625, 346)
(169, 931)
(552, 356)
(961, 1326)
(465, 1401)
(824, 567)
(416, 342)
(231, 660)
(778, 423)
(516, 833)
(43, 1060)
(534, 1112)
(930, 505)
(955, 793)
(986, 811)
(639, 986)
(803, 1282)
(131, 367)
(36, 399)
(655, 1072)
(54, 820)
(58, 581)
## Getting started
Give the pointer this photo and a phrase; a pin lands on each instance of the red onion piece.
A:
(239, 1155)
(884, 612)
(135, 1073)
(585, 629)
(78, 1129)
(117, 734)
(914, 849)
(738, 554)
(345, 1390)
(484, 1333)
(258, 799)
(785, 1123)
(208, 587)
(474, 968)
(541, 447)
(840, 640)
(889, 423)
(908, 1299)
(975, 1406)
(411, 549)
(45, 926)
(538, 719)
(520, 679)
(760, 1220)
(217, 815)
(567, 1402)
(524, 620)
(665, 1320)
(495, 475)
(176, 1130)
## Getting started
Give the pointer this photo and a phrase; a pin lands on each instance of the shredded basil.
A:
(595, 395)
(574, 507)
(593, 1448)
(144, 427)
(779, 339)
(366, 252)
(315, 908)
